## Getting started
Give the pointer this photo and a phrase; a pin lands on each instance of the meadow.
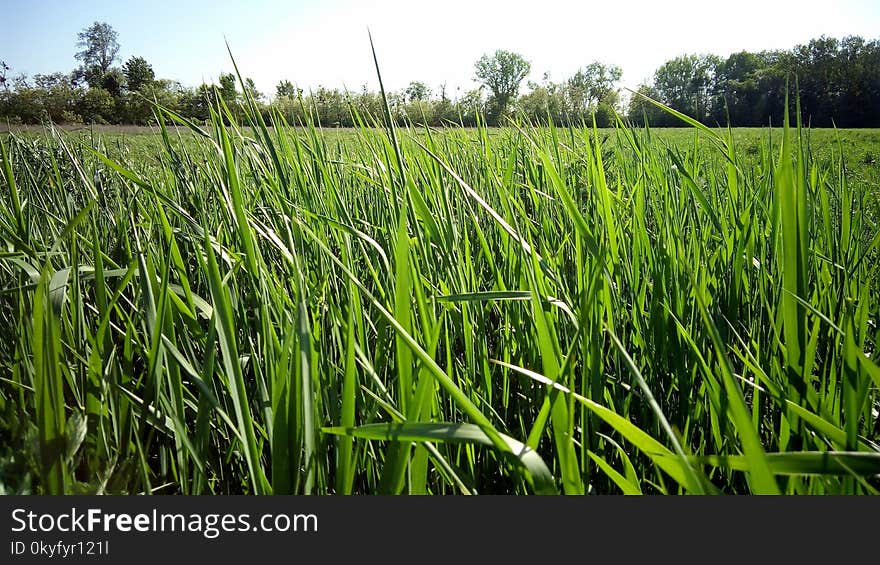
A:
(252, 308)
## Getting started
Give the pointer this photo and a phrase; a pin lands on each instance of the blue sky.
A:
(325, 43)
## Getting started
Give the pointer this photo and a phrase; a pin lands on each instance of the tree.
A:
(642, 110)
(91, 76)
(99, 46)
(738, 86)
(58, 97)
(196, 103)
(593, 83)
(138, 108)
(470, 105)
(858, 102)
(96, 106)
(502, 74)
(685, 83)
(138, 73)
(4, 70)
(285, 88)
(442, 109)
(251, 89)
(417, 90)
(113, 81)
(227, 88)
(543, 103)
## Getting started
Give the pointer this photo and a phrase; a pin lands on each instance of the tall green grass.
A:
(253, 308)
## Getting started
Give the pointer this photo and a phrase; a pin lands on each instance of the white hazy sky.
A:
(326, 43)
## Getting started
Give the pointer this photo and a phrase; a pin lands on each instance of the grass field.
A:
(519, 310)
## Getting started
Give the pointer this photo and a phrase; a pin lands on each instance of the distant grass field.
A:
(860, 148)
(519, 310)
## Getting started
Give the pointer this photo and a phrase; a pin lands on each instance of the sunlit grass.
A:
(250, 308)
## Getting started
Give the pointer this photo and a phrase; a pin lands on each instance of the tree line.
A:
(838, 82)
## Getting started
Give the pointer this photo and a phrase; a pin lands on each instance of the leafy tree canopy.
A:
(502, 72)
(98, 46)
(138, 73)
